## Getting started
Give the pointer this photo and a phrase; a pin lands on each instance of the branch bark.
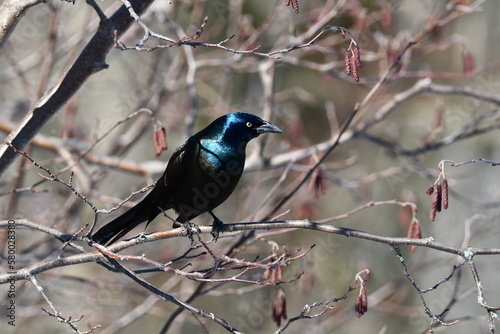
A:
(27, 272)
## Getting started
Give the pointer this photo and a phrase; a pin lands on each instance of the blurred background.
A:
(391, 152)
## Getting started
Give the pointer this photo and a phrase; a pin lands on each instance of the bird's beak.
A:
(268, 127)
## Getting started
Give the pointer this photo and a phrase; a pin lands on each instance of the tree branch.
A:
(91, 60)
(429, 242)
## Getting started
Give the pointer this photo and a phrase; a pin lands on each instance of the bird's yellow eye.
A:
(249, 124)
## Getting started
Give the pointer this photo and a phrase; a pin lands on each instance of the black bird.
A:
(200, 175)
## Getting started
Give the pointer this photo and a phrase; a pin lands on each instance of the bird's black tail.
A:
(120, 226)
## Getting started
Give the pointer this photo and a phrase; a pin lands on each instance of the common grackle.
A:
(200, 175)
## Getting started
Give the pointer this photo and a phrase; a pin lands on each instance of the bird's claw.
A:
(190, 228)
(217, 227)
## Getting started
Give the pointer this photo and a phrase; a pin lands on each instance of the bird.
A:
(200, 175)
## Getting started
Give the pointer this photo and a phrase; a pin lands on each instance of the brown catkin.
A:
(354, 69)
(436, 200)
(432, 215)
(468, 62)
(361, 303)
(445, 194)
(357, 57)
(160, 140)
(347, 62)
(415, 233)
(439, 200)
(414, 230)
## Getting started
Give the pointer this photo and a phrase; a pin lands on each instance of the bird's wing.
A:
(177, 166)
(174, 176)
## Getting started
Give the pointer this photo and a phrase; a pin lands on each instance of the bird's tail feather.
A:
(120, 226)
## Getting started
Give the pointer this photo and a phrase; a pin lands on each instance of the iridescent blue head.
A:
(239, 127)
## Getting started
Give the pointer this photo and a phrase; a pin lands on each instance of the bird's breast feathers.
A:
(221, 157)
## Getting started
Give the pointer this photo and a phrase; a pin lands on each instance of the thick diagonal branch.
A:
(91, 60)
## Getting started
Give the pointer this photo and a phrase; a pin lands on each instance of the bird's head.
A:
(239, 128)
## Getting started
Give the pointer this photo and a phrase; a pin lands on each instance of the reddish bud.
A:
(306, 210)
(405, 216)
(430, 191)
(361, 303)
(468, 62)
(283, 307)
(160, 140)
(414, 231)
(276, 317)
(266, 274)
(279, 308)
(318, 182)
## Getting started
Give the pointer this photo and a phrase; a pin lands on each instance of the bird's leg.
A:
(189, 229)
(217, 225)
(181, 222)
